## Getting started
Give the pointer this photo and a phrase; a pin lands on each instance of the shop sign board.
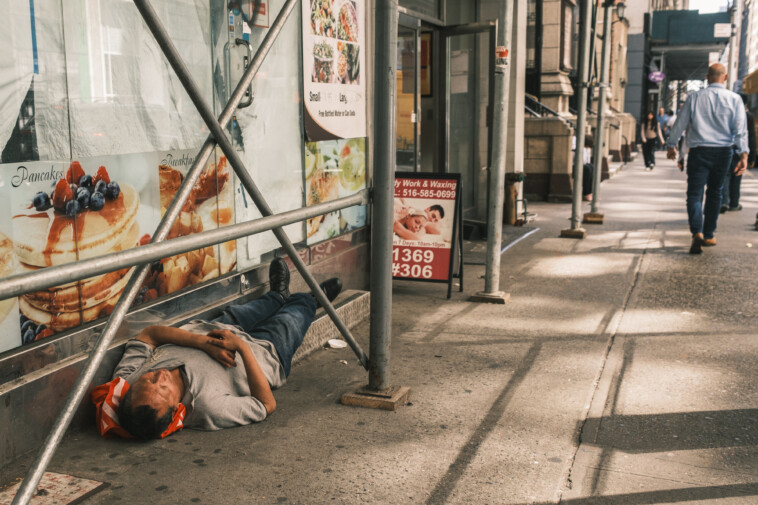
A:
(334, 63)
(722, 30)
(426, 242)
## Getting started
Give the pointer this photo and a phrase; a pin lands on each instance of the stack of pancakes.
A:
(51, 238)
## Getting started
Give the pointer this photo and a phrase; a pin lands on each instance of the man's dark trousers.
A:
(730, 194)
(706, 167)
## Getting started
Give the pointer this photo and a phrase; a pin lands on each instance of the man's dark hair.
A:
(142, 421)
(439, 209)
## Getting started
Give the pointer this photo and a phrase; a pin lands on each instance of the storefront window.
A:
(120, 133)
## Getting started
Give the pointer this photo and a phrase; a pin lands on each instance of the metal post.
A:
(45, 278)
(584, 57)
(496, 198)
(180, 68)
(385, 66)
(602, 94)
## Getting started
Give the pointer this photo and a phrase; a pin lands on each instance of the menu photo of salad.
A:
(334, 169)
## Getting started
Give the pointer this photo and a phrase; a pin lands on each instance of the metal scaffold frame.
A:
(141, 257)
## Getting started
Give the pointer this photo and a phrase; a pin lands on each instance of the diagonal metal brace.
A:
(177, 63)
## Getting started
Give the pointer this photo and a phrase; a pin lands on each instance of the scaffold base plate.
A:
(573, 233)
(593, 218)
(384, 400)
(499, 297)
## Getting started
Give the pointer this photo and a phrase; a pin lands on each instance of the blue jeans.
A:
(276, 320)
(706, 167)
(730, 194)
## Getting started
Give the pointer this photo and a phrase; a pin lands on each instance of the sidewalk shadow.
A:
(679, 431)
(666, 495)
(448, 482)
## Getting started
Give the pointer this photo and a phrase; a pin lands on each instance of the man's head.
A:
(435, 213)
(414, 222)
(148, 407)
(661, 111)
(716, 74)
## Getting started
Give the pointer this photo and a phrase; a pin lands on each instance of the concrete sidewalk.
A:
(623, 371)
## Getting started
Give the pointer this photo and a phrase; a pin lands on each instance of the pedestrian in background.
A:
(730, 194)
(651, 133)
(717, 128)
(663, 121)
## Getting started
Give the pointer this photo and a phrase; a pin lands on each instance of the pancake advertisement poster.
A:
(10, 331)
(68, 211)
(334, 42)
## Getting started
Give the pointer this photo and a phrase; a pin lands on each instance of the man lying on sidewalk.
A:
(219, 372)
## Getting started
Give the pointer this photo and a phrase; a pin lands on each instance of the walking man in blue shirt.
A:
(717, 127)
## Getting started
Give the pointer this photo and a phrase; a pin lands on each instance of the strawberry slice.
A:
(101, 175)
(144, 239)
(62, 194)
(74, 172)
(47, 332)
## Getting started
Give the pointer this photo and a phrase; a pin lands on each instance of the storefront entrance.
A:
(444, 96)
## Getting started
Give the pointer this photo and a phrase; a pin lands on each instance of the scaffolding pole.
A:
(492, 293)
(594, 216)
(385, 65)
(45, 278)
(576, 231)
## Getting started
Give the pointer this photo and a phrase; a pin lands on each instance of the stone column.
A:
(556, 85)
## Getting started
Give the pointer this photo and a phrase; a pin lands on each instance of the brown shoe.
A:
(697, 244)
(709, 242)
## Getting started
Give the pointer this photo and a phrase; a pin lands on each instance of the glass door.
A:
(468, 63)
(408, 94)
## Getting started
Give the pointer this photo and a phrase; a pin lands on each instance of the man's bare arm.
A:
(157, 336)
(256, 380)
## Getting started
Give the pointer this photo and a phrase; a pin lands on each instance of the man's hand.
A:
(671, 153)
(221, 347)
(741, 165)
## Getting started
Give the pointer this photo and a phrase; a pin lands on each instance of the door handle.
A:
(249, 93)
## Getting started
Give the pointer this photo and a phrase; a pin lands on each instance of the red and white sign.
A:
(423, 226)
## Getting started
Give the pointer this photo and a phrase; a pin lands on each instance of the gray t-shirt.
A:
(216, 397)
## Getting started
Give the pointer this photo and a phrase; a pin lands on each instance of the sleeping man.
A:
(219, 373)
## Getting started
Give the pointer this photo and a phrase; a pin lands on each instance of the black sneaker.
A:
(279, 277)
(723, 209)
(737, 207)
(331, 288)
